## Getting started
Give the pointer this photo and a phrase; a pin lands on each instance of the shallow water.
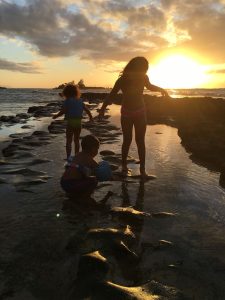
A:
(36, 224)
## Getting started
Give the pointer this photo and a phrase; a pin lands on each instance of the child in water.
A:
(132, 82)
(79, 175)
(72, 108)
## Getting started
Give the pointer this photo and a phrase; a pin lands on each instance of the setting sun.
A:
(178, 71)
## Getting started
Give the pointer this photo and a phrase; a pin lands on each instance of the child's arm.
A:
(155, 88)
(88, 112)
(60, 113)
(108, 100)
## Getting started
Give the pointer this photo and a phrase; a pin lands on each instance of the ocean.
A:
(14, 101)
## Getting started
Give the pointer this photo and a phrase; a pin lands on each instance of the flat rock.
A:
(24, 171)
(107, 152)
(164, 214)
(38, 161)
(2, 180)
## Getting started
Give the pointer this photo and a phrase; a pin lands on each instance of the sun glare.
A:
(178, 71)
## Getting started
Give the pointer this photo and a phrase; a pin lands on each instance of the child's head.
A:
(71, 91)
(138, 65)
(90, 145)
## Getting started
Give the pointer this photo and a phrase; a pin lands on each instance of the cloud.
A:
(116, 30)
(19, 67)
(53, 29)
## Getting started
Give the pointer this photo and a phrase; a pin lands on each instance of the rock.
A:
(163, 214)
(111, 233)
(111, 291)
(107, 152)
(16, 135)
(129, 214)
(24, 171)
(36, 181)
(27, 126)
(6, 118)
(93, 267)
(2, 180)
(113, 167)
(40, 133)
(38, 161)
(23, 116)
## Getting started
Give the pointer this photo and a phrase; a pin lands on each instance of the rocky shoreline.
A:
(200, 123)
(108, 261)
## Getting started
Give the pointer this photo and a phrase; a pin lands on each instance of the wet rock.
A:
(111, 233)
(114, 167)
(2, 180)
(136, 176)
(113, 159)
(38, 161)
(6, 118)
(3, 162)
(10, 150)
(23, 116)
(27, 183)
(33, 109)
(16, 135)
(164, 214)
(22, 154)
(36, 143)
(24, 171)
(129, 214)
(111, 291)
(27, 126)
(40, 133)
(93, 267)
(107, 152)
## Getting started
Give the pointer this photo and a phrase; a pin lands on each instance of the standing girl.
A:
(72, 108)
(132, 82)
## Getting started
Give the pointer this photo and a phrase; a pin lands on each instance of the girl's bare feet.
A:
(126, 171)
(145, 176)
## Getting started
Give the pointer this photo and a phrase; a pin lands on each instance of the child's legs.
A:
(140, 129)
(76, 136)
(127, 127)
(69, 139)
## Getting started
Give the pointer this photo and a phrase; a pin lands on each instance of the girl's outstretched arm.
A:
(59, 114)
(109, 99)
(155, 88)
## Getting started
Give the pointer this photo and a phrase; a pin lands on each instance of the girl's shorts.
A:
(74, 123)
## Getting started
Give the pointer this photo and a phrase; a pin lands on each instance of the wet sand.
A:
(148, 236)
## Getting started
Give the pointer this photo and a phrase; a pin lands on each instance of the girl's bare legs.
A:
(127, 127)
(77, 139)
(140, 129)
(69, 138)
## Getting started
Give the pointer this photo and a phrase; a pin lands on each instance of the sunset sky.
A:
(47, 42)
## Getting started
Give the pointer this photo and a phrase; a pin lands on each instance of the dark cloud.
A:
(54, 30)
(19, 67)
(116, 30)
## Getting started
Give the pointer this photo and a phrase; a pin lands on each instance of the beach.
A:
(160, 238)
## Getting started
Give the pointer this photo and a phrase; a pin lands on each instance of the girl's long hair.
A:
(136, 67)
